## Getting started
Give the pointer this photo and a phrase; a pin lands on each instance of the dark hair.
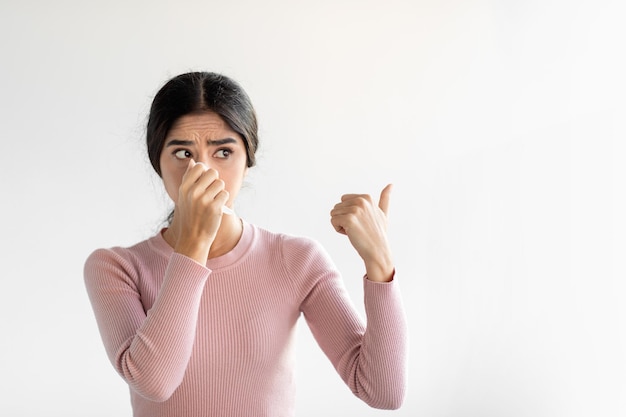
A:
(196, 92)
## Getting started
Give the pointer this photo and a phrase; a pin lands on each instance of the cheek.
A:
(171, 187)
(171, 181)
(234, 182)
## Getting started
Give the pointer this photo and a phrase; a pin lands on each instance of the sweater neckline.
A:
(230, 258)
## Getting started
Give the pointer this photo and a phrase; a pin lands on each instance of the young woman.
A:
(199, 320)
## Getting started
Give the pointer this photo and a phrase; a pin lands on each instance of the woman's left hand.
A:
(365, 224)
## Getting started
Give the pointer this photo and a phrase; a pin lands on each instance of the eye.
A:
(223, 153)
(182, 154)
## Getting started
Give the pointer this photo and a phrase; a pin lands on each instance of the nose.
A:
(203, 162)
(205, 165)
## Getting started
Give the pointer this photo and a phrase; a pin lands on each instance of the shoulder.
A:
(286, 242)
(118, 260)
(296, 252)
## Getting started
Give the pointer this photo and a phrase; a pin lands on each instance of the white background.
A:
(500, 123)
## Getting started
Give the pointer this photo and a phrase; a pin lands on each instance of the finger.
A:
(214, 198)
(222, 197)
(220, 201)
(203, 165)
(214, 188)
(193, 172)
(209, 193)
(341, 206)
(346, 210)
(337, 226)
(385, 195)
(340, 230)
(350, 197)
(206, 179)
(198, 177)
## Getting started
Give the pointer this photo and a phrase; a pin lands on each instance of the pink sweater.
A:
(217, 340)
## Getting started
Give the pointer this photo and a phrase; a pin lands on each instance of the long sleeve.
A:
(371, 359)
(149, 347)
(215, 340)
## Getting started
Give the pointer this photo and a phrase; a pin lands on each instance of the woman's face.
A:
(207, 138)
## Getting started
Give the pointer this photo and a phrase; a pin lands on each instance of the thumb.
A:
(385, 194)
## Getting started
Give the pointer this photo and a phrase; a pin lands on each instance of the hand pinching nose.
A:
(225, 209)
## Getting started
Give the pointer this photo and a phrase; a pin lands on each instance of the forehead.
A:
(201, 125)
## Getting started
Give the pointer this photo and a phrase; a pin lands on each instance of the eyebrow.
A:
(218, 142)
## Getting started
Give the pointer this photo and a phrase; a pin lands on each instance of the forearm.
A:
(149, 350)
(378, 372)
(156, 360)
(371, 359)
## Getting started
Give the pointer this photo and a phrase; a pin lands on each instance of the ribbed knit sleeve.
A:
(371, 359)
(149, 346)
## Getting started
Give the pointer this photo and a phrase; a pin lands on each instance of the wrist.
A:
(197, 251)
(380, 270)
(195, 247)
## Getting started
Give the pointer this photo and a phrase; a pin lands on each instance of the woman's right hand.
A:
(198, 211)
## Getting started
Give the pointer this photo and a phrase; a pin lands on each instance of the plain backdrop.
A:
(501, 124)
